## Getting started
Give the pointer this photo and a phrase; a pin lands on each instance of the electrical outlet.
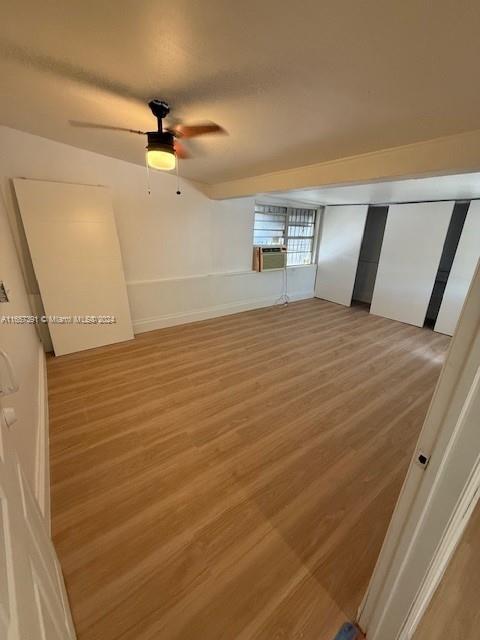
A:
(3, 293)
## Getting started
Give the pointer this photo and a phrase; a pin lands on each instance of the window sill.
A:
(300, 266)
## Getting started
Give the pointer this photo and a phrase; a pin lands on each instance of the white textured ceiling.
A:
(293, 83)
(455, 187)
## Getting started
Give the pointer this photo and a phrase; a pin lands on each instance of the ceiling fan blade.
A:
(181, 151)
(194, 130)
(94, 125)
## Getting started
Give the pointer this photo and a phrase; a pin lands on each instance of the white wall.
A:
(173, 247)
(162, 303)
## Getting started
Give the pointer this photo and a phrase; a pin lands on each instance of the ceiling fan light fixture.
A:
(161, 160)
(161, 151)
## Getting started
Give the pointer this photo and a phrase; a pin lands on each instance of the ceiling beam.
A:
(441, 156)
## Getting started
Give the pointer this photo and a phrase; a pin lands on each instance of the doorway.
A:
(452, 239)
(369, 255)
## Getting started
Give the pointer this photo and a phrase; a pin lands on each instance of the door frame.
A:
(445, 551)
(435, 502)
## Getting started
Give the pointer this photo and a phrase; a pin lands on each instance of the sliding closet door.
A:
(461, 274)
(411, 250)
(71, 234)
(341, 237)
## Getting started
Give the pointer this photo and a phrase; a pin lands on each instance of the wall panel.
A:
(341, 237)
(411, 250)
(461, 274)
(73, 242)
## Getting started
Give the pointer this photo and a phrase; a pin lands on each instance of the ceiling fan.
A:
(163, 145)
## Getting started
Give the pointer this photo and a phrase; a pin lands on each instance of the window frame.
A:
(285, 215)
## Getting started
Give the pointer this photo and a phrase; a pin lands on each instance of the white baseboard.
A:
(170, 320)
(42, 457)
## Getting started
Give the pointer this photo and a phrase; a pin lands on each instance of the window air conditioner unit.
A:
(266, 258)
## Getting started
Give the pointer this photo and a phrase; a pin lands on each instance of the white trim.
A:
(134, 283)
(452, 534)
(170, 320)
(219, 274)
(42, 466)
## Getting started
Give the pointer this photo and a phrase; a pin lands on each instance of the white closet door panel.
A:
(71, 234)
(342, 233)
(461, 274)
(411, 251)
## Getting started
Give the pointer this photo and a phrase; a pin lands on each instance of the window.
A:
(294, 228)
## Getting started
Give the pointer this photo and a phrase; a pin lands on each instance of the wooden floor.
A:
(234, 478)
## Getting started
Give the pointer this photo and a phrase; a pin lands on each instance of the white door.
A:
(340, 242)
(33, 601)
(435, 501)
(411, 250)
(73, 242)
(461, 274)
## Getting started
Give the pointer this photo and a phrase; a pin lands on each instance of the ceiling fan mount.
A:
(160, 110)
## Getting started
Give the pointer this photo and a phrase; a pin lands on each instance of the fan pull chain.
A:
(149, 191)
(179, 193)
